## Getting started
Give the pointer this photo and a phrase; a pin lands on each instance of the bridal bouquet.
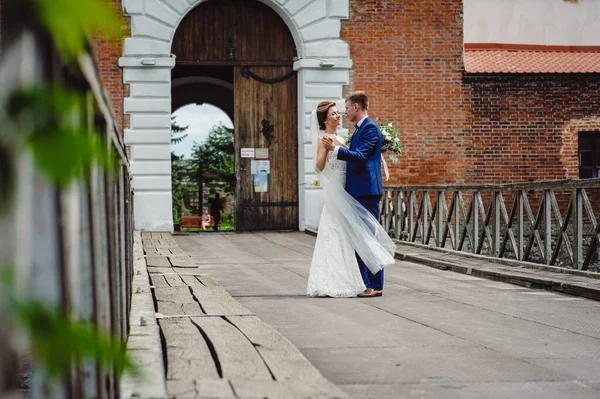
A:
(390, 141)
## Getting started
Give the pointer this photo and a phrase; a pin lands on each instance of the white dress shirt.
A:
(337, 147)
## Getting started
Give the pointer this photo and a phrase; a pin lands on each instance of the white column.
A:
(149, 138)
(315, 84)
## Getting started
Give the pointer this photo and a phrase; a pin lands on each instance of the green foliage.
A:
(216, 156)
(180, 168)
(227, 222)
(60, 150)
(71, 23)
(45, 121)
(182, 185)
(177, 131)
(57, 341)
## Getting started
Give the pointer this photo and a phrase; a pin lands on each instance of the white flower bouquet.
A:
(390, 141)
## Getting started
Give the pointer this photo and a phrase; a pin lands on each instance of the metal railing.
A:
(564, 230)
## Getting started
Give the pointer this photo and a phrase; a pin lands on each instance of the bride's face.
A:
(334, 118)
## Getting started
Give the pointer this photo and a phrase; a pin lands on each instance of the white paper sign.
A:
(253, 167)
(263, 167)
(247, 153)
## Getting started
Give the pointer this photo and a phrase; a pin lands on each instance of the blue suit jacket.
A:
(363, 173)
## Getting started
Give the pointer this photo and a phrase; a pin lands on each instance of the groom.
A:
(363, 173)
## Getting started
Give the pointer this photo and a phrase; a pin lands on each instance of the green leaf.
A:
(57, 341)
(7, 275)
(41, 107)
(61, 152)
(65, 153)
(71, 23)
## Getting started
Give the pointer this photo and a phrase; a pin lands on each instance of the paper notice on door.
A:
(262, 153)
(263, 167)
(253, 167)
(261, 184)
(247, 152)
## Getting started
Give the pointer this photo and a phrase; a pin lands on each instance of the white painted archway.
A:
(147, 63)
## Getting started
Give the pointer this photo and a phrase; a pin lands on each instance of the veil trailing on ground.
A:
(367, 236)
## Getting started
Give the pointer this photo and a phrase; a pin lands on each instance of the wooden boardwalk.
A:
(214, 346)
(434, 333)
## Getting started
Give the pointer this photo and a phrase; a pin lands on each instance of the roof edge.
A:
(528, 47)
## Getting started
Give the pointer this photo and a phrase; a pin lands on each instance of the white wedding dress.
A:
(334, 269)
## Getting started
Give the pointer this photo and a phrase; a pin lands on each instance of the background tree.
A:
(180, 171)
(214, 159)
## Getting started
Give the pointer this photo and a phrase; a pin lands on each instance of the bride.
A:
(346, 226)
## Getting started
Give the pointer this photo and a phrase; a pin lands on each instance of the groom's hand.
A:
(328, 143)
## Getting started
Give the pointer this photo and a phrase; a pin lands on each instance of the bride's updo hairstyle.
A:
(322, 111)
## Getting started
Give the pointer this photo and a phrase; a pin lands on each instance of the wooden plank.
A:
(176, 301)
(259, 333)
(174, 280)
(288, 363)
(146, 235)
(188, 353)
(158, 261)
(286, 389)
(237, 356)
(200, 388)
(448, 227)
(158, 281)
(509, 226)
(486, 233)
(160, 270)
(534, 223)
(563, 237)
(595, 231)
(466, 231)
(191, 279)
(215, 300)
(182, 261)
(176, 251)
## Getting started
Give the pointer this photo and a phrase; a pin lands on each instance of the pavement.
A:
(435, 333)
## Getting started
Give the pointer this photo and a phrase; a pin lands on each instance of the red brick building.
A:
(466, 113)
(530, 106)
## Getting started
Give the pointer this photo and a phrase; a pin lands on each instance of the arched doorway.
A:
(147, 65)
(201, 164)
(246, 46)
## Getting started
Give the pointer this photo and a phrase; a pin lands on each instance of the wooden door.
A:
(266, 118)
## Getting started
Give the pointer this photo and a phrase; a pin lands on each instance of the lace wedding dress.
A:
(334, 269)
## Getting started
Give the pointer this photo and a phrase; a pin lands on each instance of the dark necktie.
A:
(356, 127)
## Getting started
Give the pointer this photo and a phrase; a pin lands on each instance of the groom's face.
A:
(351, 110)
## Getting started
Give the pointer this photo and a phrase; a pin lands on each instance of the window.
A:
(589, 155)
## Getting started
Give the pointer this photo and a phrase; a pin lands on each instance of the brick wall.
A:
(408, 58)
(525, 127)
(107, 55)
